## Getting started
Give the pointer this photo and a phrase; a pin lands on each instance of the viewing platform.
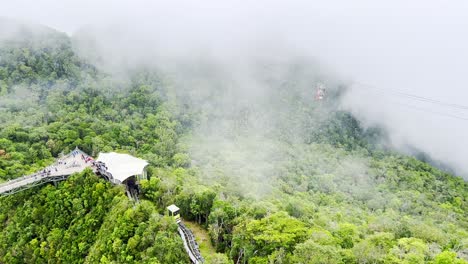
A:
(74, 162)
(114, 167)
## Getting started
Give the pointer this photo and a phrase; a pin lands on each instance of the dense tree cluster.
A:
(85, 219)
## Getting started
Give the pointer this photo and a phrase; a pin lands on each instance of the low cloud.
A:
(417, 47)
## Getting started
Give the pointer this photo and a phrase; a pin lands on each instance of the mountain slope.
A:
(274, 176)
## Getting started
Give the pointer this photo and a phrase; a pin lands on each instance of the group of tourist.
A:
(100, 166)
(64, 163)
(57, 166)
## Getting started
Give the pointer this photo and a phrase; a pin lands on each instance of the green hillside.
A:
(273, 177)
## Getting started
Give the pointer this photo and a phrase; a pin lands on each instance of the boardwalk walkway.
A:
(74, 162)
(190, 244)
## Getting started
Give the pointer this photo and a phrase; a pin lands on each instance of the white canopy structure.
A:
(123, 166)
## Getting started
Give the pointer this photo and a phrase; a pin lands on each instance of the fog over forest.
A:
(404, 63)
(267, 131)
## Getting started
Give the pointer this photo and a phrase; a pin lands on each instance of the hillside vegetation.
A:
(277, 178)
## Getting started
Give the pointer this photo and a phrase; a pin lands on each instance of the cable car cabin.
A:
(174, 212)
(320, 94)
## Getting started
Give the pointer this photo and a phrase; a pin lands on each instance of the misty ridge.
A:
(251, 92)
(251, 104)
(350, 56)
(413, 47)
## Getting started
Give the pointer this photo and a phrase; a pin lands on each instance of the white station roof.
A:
(122, 166)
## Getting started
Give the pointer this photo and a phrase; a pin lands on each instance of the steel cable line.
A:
(420, 108)
(412, 96)
(430, 111)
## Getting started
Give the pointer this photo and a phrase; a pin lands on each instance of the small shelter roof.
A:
(173, 208)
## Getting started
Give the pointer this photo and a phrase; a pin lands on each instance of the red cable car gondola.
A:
(320, 93)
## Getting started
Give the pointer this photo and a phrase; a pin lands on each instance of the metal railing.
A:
(190, 244)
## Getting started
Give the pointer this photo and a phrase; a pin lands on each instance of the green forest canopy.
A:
(315, 189)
